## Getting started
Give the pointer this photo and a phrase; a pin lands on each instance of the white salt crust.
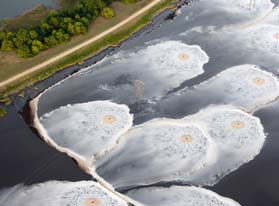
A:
(88, 129)
(243, 7)
(170, 61)
(153, 152)
(179, 196)
(54, 193)
(159, 150)
(245, 86)
(239, 138)
(261, 37)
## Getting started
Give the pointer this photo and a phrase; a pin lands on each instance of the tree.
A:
(85, 21)
(80, 28)
(2, 36)
(24, 51)
(108, 13)
(33, 34)
(7, 45)
(71, 28)
(50, 41)
(36, 46)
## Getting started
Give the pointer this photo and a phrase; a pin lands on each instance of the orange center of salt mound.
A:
(185, 139)
(109, 119)
(238, 125)
(184, 57)
(259, 81)
(276, 36)
(92, 202)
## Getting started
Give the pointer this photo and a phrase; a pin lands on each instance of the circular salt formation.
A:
(159, 150)
(238, 136)
(246, 86)
(88, 195)
(263, 38)
(231, 127)
(54, 193)
(174, 61)
(89, 129)
(179, 196)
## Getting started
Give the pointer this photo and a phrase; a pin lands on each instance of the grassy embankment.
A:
(10, 64)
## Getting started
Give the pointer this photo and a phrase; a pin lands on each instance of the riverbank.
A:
(48, 164)
(80, 56)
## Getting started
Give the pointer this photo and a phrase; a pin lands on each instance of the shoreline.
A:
(91, 55)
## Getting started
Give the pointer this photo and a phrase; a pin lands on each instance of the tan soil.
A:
(184, 57)
(109, 119)
(276, 36)
(92, 202)
(238, 125)
(259, 81)
(185, 139)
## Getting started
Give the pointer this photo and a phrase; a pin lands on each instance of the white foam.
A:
(245, 86)
(239, 138)
(261, 37)
(179, 196)
(164, 61)
(88, 129)
(54, 193)
(223, 139)
(243, 7)
(159, 150)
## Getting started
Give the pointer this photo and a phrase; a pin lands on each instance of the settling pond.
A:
(190, 102)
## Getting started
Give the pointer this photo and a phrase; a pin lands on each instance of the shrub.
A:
(108, 12)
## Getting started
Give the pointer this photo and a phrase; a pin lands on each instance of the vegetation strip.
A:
(109, 40)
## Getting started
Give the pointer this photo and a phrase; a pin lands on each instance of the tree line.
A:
(56, 28)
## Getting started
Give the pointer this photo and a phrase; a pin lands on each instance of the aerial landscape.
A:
(139, 102)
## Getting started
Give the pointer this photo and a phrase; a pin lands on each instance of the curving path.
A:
(76, 48)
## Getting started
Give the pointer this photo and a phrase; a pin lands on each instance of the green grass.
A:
(110, 40)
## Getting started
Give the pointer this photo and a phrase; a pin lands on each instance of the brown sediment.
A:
(92, 202)
(237, 125)
(276, 36)
(109, 119)
(185, 139)
(258, 81)
(184, 57)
